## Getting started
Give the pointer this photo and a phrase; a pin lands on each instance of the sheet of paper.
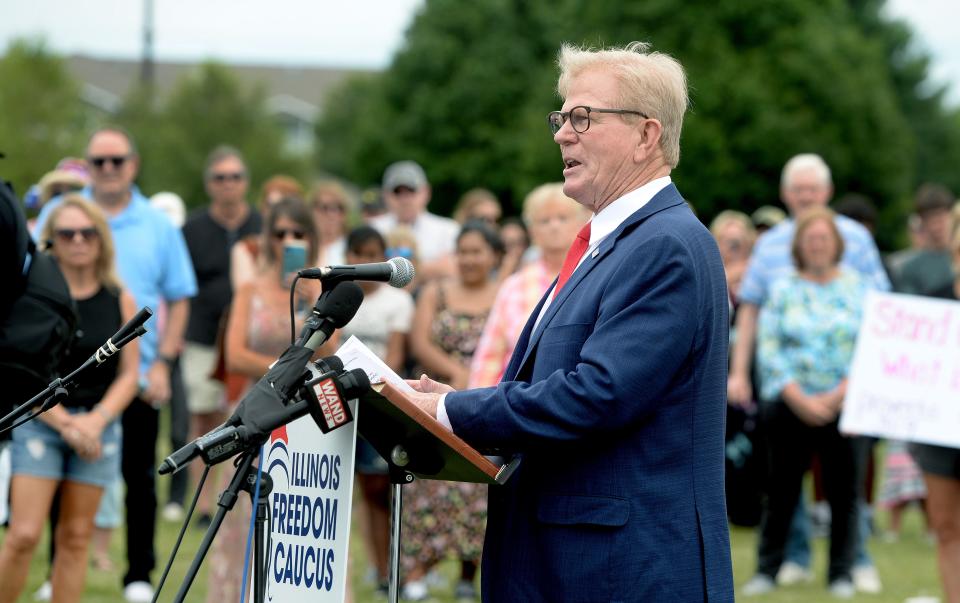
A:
(355, 354)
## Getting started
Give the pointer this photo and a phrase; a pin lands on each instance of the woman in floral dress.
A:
(444, 518)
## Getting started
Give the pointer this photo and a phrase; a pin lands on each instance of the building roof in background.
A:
(299, 91)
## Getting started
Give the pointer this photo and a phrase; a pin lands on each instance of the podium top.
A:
(388, 418)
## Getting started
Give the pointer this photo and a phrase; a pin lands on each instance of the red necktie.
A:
(576, 251)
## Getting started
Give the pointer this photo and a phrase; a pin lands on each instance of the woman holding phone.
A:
(258, 331)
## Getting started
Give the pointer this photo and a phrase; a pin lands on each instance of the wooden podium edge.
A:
(400, 399)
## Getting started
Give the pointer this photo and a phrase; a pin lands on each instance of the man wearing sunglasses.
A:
(210, 233)
(155, 267)
(406, 193)
(615, 396)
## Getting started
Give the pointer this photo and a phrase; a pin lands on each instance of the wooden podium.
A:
(415, 445)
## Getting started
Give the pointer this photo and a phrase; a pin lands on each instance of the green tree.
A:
(935, 126)
(41, 113)
(467, 93)
(453, 100)
(207, 108)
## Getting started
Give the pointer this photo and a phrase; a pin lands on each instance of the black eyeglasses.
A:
(579, 117)
(70, 234)
(228, 177)
(116, 160)
(282, 233)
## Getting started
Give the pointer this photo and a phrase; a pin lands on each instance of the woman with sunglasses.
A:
(258, 331)
(74, 448)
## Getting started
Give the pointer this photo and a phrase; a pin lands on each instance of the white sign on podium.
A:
(905, 377)
(310, 505)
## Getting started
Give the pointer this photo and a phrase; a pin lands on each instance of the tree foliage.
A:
(41, 115)
(207, 108)
(43, 119)
(467, 95)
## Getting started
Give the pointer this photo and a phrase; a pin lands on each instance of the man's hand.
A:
(427, 385)
(157, 391)
(428, 393)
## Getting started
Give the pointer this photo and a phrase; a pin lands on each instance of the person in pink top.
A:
(553, 220)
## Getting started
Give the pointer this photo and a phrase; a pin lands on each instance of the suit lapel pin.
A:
(595, 253)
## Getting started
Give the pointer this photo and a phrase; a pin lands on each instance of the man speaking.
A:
(615, 395)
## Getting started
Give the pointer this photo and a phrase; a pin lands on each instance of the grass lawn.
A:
(907, 567)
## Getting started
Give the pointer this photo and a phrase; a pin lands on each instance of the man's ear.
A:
(135, 161)
(649, 140)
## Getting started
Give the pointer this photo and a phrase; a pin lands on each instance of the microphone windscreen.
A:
(354, 383)
(328, 364)
(342, 303)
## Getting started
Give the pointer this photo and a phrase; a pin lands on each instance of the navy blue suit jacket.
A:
(616, 403)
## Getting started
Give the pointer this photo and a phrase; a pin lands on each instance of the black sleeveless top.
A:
(99, 319)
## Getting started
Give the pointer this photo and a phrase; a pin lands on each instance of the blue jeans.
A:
(798, 539)
(797, 549)
(40, 451)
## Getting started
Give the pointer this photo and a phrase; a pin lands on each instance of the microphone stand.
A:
(56, 391)
(316, 329)
(244, 478)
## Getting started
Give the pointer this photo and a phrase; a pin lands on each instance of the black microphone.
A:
(331, 410)
(229, 439)
(58, 387)
(331, 365)
(127, 333)
(334, 309)
(399, 272)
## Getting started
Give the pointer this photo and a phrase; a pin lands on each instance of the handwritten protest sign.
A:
(905, 378)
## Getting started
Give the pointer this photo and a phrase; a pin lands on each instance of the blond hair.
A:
(333, 188)
(540, 196)
(731, 215)
(652, 83)
(470, 200)
(104, 266)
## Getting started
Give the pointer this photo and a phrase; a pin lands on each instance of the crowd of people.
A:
(219, 278)
(798, 292)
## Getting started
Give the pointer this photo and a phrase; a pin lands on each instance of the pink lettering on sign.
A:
(955, 378)
(904, 368)
(895, 321)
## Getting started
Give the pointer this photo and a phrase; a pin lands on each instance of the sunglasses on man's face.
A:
(116, 160)
(282, 233)
(68, 235)
(227, 177)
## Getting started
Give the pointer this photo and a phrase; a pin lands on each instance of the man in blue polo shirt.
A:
(155, 267)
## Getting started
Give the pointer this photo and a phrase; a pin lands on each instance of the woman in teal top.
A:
(806, 336)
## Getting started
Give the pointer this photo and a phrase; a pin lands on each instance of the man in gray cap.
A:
(406, 193)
